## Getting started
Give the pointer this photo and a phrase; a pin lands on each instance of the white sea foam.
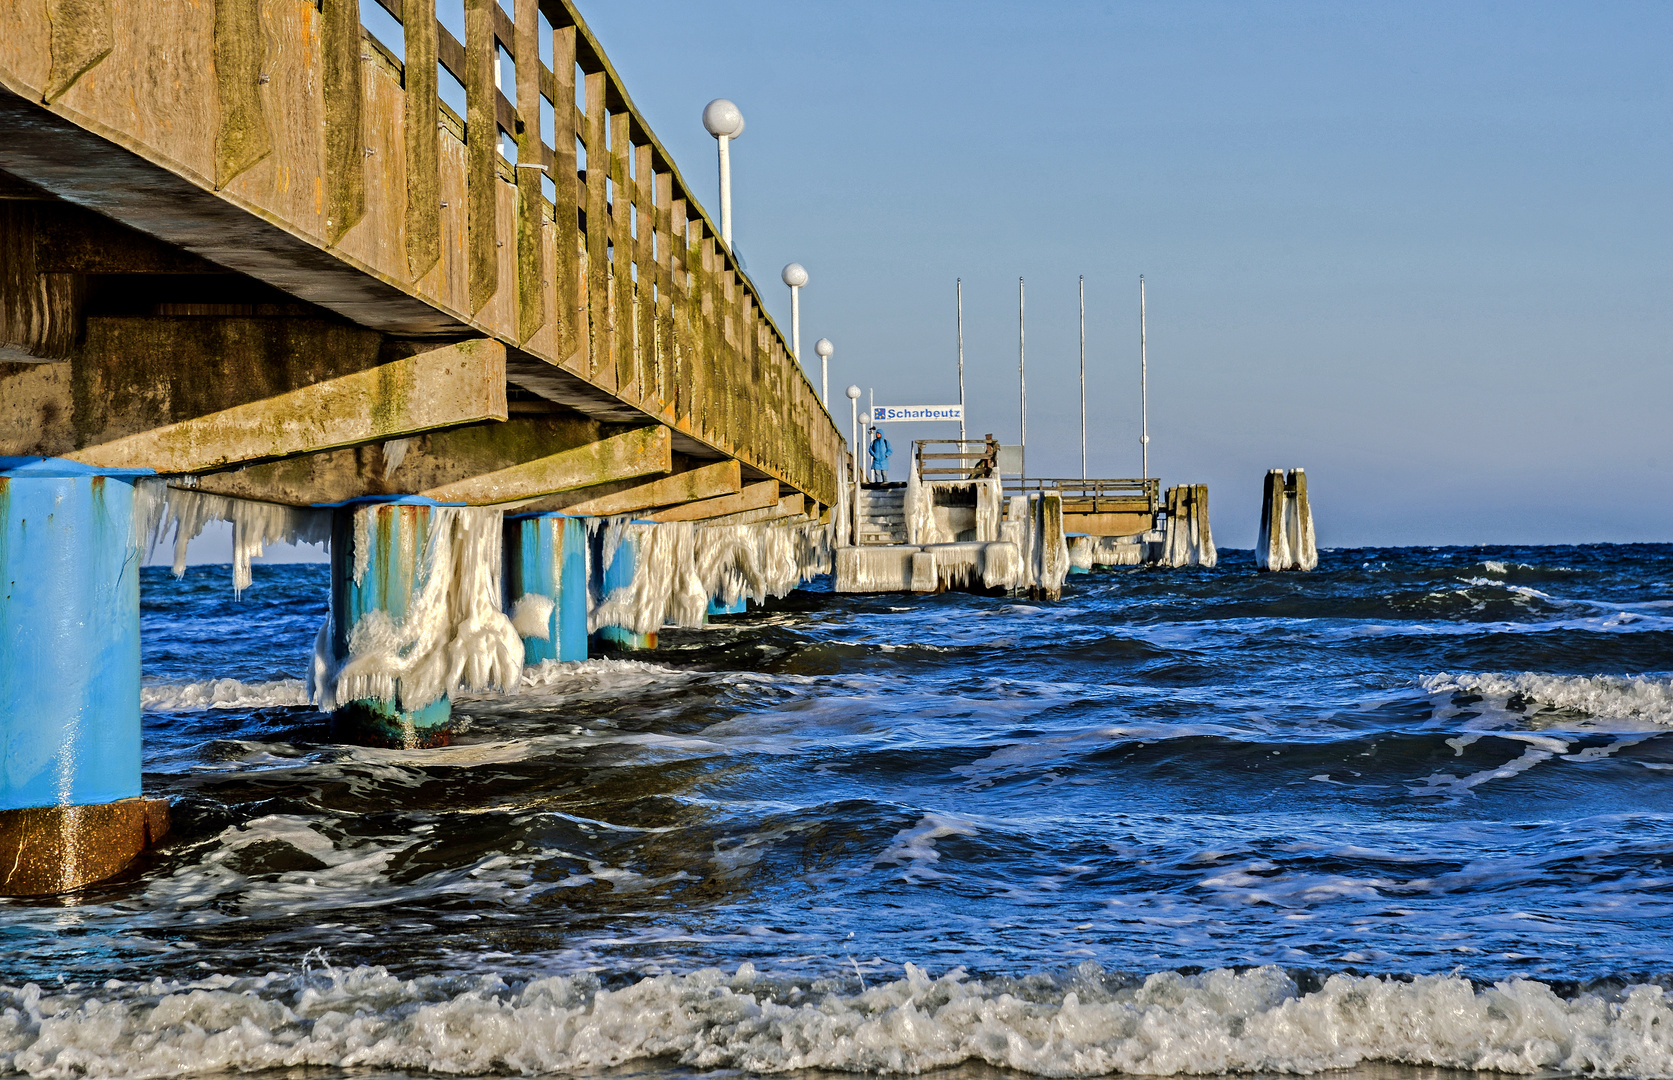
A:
(1603, 696)
(221, 694)
(1216, 1022)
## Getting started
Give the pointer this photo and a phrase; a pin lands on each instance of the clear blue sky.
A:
(1420, 249)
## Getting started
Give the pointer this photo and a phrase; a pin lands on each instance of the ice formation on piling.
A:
(682, 566)
(254, 524)
(919, 506)
(454, 636)
(1286, 540)
(1188, 539)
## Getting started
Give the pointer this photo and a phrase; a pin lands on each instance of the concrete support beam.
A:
(409, 466)
(443, 387)
(754, 497)
(645, 452)
(694, 485)
(791, 505)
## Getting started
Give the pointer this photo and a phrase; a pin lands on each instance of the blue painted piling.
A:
(69, 634)
(618, 574)
(71, 812)
(717, 606)
(546, 554)
(395, 535)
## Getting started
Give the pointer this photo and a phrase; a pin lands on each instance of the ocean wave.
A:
(1216, 1022)
(550, 676)
(221, 694)
(1605, 696)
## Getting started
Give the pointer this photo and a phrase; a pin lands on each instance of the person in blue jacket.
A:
(880, 451)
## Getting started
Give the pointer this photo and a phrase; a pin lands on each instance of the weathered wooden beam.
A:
(753, 497)
(704, 482)
(600, 322)
(421, 117)
(570, 316)
(40, 313)
(345, 142)
(70, 240)
(81, 37)
(531, 249)
(244, 137)
(482, 138)
(622, 339)
(644, 285)
(442, 387)
(645, 452)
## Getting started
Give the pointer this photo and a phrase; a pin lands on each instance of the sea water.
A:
(1408, 812)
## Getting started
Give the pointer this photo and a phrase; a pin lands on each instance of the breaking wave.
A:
(1084, 1025)
(1604, 696)
(221, 694)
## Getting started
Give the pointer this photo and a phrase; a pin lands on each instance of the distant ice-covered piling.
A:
(1286, 539)
(1188, 540)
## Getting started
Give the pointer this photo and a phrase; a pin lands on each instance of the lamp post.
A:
(854, 427)
(795, 277)
(824, 348)
(725, 123)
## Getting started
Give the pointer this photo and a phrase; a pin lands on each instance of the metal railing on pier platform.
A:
(1130, 496)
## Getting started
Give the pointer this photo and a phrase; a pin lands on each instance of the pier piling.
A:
(1286, 540)
(615, 566)
(71, 812)
(382, 565)
(546, 582)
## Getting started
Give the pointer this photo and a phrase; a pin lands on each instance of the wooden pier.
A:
(247, 249)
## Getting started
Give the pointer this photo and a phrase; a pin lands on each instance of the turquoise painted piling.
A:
(546, 554)
(618, 574)
(717, 606)
(395, 533)
(69, 634)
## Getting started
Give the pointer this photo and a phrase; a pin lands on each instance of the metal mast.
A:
(961, 362)
(1144, 387)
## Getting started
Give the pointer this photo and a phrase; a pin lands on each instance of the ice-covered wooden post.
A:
(1050, 549)
(1188, 540)
(70, 806)
(1286, 540)
(546, 583)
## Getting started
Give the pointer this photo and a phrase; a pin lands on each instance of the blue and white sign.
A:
(916, 412)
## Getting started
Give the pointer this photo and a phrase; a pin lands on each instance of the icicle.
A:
(254, 525)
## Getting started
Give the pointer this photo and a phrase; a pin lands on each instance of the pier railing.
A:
(499, 183)
(635, 290)
(957, 459)
(1131, 496)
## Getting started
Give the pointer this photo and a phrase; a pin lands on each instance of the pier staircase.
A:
(883, 514)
